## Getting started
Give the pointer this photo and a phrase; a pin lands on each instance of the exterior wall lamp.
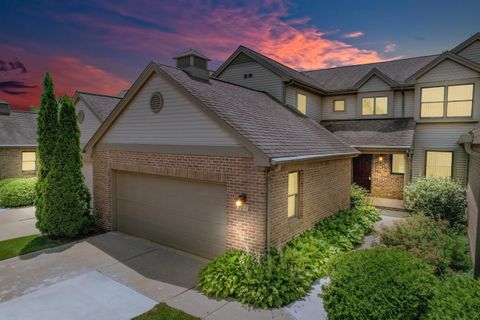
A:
(241, 202)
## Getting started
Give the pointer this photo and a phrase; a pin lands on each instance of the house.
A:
(18, 143)
(92, 109)
(202, 165)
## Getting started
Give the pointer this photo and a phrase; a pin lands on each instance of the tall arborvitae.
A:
(67, 199)
(47, 122)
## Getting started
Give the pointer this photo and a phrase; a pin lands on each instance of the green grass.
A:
(164, 312)
(23, 245)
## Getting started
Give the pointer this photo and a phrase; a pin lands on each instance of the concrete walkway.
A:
(18, 222)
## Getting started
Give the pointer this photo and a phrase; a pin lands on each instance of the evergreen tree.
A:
(47, 122)
(67, 199)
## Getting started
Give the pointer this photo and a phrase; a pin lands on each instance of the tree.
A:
(67, 199)
(47, 122)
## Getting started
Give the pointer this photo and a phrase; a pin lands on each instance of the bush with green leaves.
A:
(456, 298)
(17, 192)
(286, 274)
(438, 198)
(358, 196)
(380, 283)
(66, 211)
(433, 241)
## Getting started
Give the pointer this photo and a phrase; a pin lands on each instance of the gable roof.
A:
(286, 73)
(375, 73)
(374, 133)
(348, 77)
(18, 129)
(100, 104)
(466, 43)
(265, 124)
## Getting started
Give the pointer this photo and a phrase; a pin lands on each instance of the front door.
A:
(362, 171)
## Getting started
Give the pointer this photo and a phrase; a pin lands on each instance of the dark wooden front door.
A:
(362, 171)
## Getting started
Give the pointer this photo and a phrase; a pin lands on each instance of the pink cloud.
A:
(69, 74)
(353, 35)
(390, 47)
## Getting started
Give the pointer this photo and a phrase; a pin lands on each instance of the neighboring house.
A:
(203, 165)
(18, 143)
(92, 109)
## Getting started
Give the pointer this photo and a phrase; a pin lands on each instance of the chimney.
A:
(194, 63)
(4, 108)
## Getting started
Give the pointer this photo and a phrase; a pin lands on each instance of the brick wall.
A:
(11, 163)
(245, 230)
(384, 183)
(324, 190)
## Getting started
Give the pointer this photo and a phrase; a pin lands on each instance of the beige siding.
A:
(409, 104)
(350, 107)
(441, 137)
(313, 101)
(262, 79)
(473, 192)
(90, 123)
(472, 52)
(448, 70)
(180, 122)
(374, 84)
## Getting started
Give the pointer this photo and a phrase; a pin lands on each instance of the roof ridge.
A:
(370, 63)
(264, 56)
(99, 94)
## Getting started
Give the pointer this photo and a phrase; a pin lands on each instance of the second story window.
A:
(450, 101)
(339, 105)
(302, 103)
(375, 106)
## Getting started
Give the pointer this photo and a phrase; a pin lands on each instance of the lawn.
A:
(23, 245)
(164, 312)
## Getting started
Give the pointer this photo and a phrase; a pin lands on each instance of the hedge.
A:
(17, 192)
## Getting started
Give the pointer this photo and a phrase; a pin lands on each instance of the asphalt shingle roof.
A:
(374, 133)
(18, 128)
(273, 128)
(345, 78)
(100, 104)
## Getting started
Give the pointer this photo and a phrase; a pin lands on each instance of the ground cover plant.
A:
(286, 274)
(17, 192)
(379, 283)
(162, 311)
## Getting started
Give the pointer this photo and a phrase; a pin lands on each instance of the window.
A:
(28, 161)
(459, 101)
(293, 194)
(302, 103)
(374, 106)
(398, 163)
(339, 105)
(439, 164)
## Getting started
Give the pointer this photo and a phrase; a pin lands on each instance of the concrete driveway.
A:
(106, 274)
(17, 222)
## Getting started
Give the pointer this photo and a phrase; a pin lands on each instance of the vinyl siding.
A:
(262, 79)
(441, 137)
(409, 97)
(350, 107)
(180, 122)
(472, 52)
(473, 191)
(313, 101)
(374, 84)
(90, 123)
(448, 70)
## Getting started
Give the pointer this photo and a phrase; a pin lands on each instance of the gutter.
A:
(281, 160)
(383, 147)
(17, 145)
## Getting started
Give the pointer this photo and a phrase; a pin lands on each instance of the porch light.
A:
(241, 201)
(380, 158)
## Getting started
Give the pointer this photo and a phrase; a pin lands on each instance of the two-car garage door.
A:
(185, 214)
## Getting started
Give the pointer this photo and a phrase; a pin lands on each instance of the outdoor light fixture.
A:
(380, 158)
(241, 202)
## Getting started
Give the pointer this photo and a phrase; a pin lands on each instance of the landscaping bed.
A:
(285, 275)
(17, 192)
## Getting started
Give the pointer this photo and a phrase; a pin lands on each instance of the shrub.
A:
(380, 283)
(358, 196)
(17, 192)
(433, 241)
(456, 297)
(285, 275)
(438, 198)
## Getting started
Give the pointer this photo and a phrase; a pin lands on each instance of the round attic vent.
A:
(80, 116)
(156, 102)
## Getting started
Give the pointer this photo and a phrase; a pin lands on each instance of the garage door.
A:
(183, 214)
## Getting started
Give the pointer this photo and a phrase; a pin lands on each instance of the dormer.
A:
(194, 63)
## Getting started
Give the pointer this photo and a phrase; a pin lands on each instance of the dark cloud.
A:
(15, 87)
(12, 65)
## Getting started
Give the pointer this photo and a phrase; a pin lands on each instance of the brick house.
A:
(204, 165)
(18, 143)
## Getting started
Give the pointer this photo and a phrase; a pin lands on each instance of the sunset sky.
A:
(102, 46)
